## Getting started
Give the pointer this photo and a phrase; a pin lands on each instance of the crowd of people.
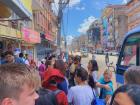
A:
(63, 82)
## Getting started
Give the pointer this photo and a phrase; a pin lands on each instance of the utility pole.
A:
(62, 6)
(114, 31)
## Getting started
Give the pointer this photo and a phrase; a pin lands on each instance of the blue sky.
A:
(81, 13)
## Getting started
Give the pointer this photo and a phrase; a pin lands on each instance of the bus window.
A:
(131, 49)
(129, 55)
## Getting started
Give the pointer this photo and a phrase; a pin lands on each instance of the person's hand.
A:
(107, 87)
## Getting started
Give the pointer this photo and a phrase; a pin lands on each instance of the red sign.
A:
(30, 36)
(49, 37)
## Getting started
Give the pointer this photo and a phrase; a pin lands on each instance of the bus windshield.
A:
(131, 51)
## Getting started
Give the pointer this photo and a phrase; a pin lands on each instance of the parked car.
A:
(84, 53)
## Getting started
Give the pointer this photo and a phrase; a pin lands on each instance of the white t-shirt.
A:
(94, 75)
(80, 95)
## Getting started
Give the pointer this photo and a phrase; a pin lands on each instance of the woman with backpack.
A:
(51, 78)
(82, 93)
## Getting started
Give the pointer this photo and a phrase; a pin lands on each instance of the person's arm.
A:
(107, 87)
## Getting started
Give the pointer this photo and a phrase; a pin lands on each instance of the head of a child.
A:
(107, 75)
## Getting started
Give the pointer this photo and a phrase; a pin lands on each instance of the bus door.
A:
(129, 56)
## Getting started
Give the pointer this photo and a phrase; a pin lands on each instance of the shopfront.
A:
(30, 39)
(10, 39)
(44, 48)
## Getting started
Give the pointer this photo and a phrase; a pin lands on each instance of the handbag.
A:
(97, 101)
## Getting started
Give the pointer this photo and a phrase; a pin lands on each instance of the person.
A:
(82, 93)
(27, 60)
(2, 59)
(127, 94)
(60, 65)
(76, 64)
(18, 84)
(9, 58)
(106, 58)
(68, 65)
(92, 69)
(132, 75)
(33, 64)
(51, 78)
(21, 56)
(50, 61)
(42, 68)
(106, 86)
(46, 97)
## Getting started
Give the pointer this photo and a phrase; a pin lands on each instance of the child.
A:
(106, 85)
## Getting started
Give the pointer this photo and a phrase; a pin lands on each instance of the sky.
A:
(79, 14)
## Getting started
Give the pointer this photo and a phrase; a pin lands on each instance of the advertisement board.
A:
(30, 36)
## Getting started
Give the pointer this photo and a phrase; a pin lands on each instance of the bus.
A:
(129, 54)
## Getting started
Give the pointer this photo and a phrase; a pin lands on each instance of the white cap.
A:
(43, 60)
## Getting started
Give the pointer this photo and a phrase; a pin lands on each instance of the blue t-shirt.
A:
(103, 91)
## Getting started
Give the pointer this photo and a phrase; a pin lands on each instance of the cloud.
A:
(124, 1)
(74, 2)
(80, 8)
(55, 5)
(69, 39)
(86, 23)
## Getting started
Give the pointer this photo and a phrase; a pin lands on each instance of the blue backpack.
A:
(97, 101)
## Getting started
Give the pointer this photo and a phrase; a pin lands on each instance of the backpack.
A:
(46, 97)
(97, 101)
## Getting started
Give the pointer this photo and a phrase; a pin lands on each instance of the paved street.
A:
(101, 62)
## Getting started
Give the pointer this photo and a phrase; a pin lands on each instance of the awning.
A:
(4, 11)
(48, 37)
(21, 7)
(30, 36)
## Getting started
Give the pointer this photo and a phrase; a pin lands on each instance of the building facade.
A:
(11, 36)
(45, 22)
(114, 26)
(94, 35)
(133, 13)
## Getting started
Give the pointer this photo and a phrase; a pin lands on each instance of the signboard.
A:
(30, 36)
(23, 8)
(49, 37)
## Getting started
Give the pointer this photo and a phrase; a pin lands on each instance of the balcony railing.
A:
(6, 31)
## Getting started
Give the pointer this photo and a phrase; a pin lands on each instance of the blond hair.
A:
(13, 77)
(108, 72)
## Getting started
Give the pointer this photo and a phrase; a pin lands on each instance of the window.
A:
(130, 53)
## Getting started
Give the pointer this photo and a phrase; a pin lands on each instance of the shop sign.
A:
(48, 37)
(30, 36)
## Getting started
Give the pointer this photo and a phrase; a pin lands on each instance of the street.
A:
(101, 63)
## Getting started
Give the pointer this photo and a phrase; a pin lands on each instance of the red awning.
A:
(49, 37)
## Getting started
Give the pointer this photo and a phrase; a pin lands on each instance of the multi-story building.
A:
(133, 13)
(94, 35)
(114, 27)
(11, 36)
(45, 22)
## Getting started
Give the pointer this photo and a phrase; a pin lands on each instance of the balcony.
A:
(8, 32)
